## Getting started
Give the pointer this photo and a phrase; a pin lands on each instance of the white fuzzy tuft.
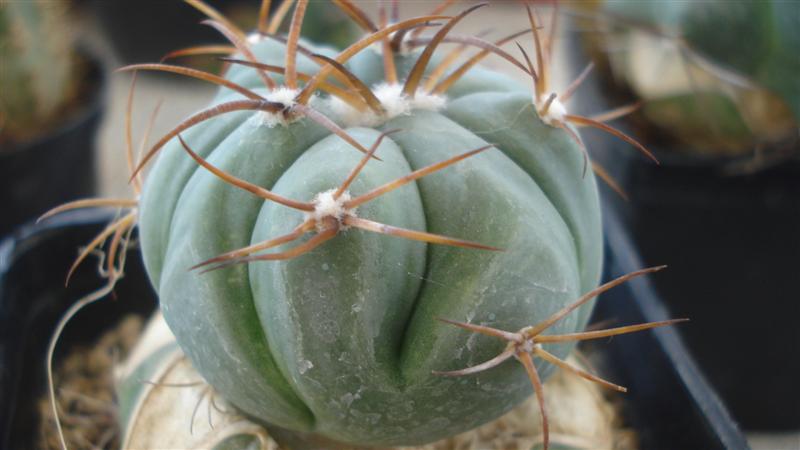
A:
(394, 102)
(555, 112)
(428, 102)
(392, 99)
(527, 346)
(325, 205)
(282, 95)
(255, 37)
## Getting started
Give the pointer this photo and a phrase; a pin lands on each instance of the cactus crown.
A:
(355, 102)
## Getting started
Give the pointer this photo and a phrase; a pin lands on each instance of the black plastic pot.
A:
(669, 403)
(669, 400)
(33, 298)
(732, 244)
(145, 30)
(171, 25)
(52, 169)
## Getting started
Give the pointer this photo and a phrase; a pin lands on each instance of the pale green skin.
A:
(341, 342)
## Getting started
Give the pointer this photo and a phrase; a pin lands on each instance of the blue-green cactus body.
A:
(342, 341)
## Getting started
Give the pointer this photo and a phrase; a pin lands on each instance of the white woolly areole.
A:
(394, 102)
(284, 96)
(255, 38)
(528, 345)
(555, 112)
(325, 205)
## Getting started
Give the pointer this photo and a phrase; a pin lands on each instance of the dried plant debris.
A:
(86, 392)
(168, 405)
(582, 415)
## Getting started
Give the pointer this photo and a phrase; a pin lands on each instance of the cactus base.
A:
(176, 409)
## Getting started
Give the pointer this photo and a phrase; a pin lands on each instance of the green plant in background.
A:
(326, 24)
(38, 71)
(332, 235)
(719, 76)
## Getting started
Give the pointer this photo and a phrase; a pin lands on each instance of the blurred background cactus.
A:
(719, 91)
(326, 24)
(38, 76)
(715, 77)
(51, 103)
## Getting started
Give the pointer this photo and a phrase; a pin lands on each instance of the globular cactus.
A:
(334, 235)
(37, 76)
(718, 76)
(341, 339)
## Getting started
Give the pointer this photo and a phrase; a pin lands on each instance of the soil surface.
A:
(582, 415)
(86, 392)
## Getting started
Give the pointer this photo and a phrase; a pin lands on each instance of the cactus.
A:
(164, 403)
(157, 380)
(332, 237)
(717, 76)
(38, 70)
